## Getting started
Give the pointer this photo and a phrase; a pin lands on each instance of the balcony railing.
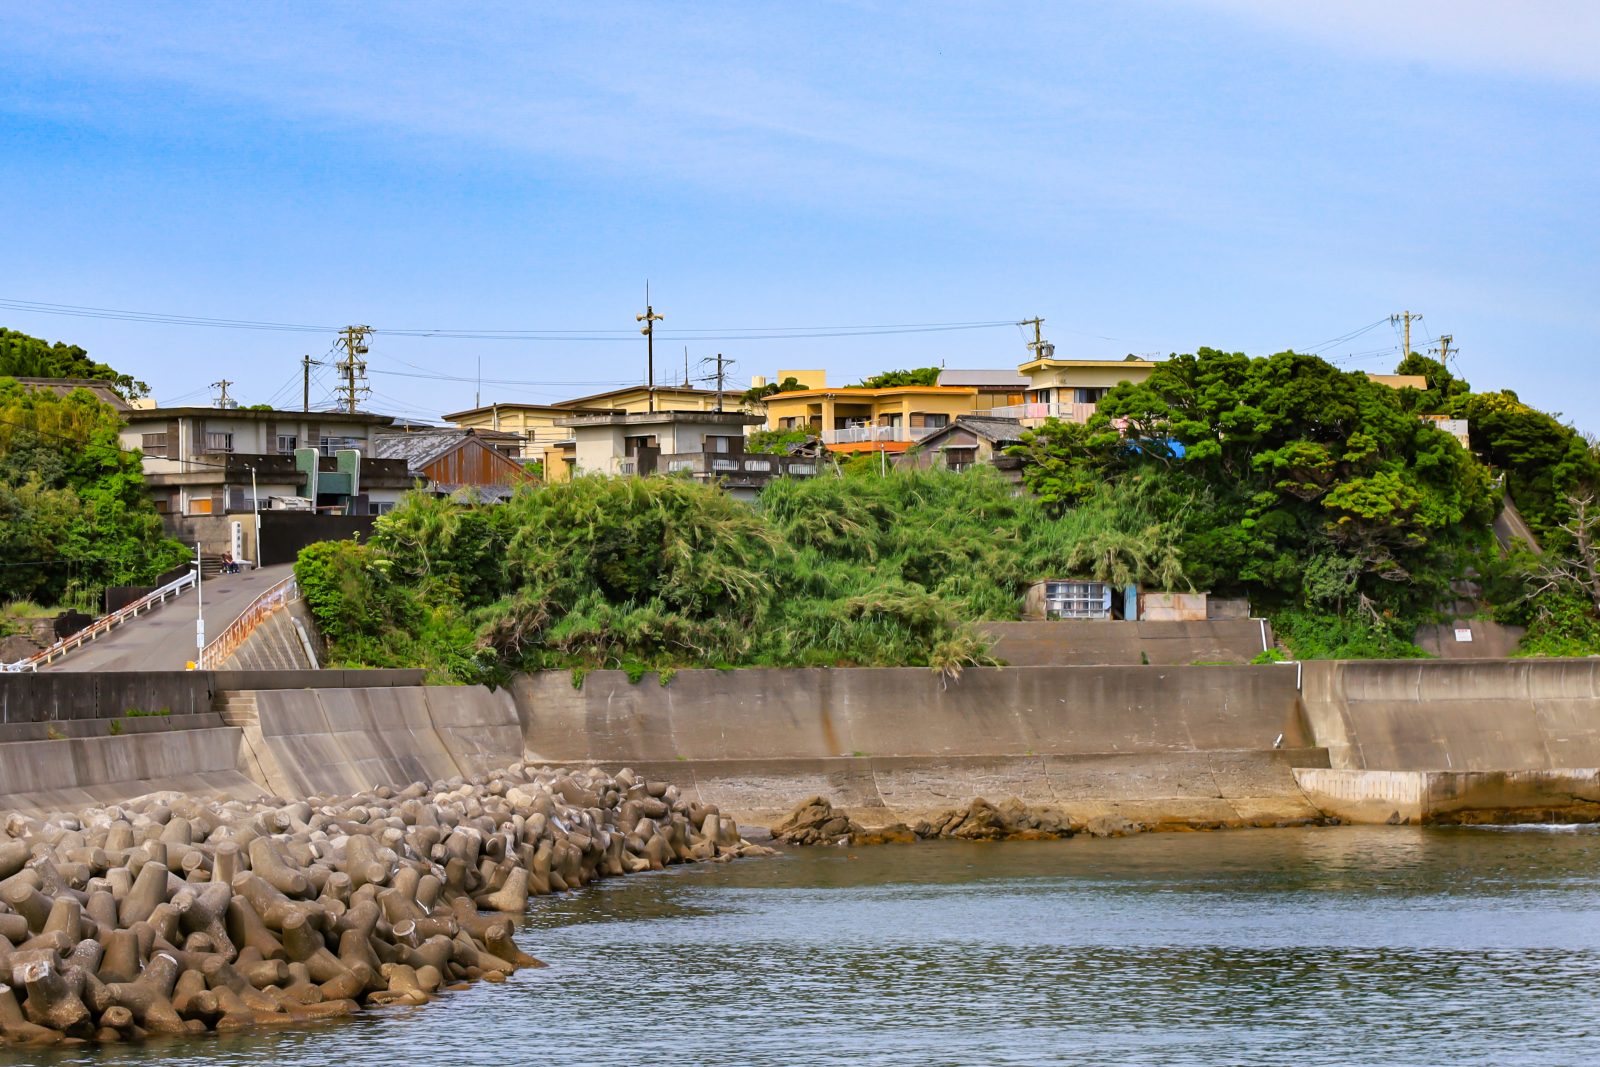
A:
(848, 435)
(1041, 412)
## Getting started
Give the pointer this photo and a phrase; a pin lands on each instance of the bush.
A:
(1322, 635)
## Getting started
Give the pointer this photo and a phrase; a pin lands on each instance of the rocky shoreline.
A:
(171, 914)
(816, 821)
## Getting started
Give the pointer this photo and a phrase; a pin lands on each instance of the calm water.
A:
(1321, 946)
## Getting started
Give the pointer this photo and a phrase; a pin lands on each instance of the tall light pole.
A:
(255, 505)
(649, 318)
(199, 610)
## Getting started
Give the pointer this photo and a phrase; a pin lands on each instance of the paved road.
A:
(163, 639)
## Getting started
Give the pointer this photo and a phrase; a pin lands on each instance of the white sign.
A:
(1463, 633)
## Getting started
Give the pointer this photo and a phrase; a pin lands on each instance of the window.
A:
(720, 445)
(959, 459)
(329, 445)
(1077, 600)
(381, 507)
(287, 443)
(929, 420)
(219, 442)
(200, 505)
(153, 444)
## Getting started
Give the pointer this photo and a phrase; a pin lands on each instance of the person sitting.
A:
(228, 565)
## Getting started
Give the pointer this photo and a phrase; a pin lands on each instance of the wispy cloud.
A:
(1539, 39)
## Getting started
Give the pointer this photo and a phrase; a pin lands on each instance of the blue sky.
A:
(1148, 176)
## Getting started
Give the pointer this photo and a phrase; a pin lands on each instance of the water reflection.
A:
(1328, 946)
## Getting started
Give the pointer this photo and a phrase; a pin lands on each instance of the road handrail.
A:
(101, 626)
(239, 630)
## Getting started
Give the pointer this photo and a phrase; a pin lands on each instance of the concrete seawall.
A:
(74, 772)
(1462, 715)
(309, 741)
(1464, 741)
(1369, 741)
(1186, 744)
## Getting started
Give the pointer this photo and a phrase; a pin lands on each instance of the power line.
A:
(746, 333)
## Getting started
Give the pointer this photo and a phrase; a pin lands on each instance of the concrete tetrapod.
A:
(173, 914)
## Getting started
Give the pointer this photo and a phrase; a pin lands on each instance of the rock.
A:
(815, 822)
(176, 915)
(1111, 826)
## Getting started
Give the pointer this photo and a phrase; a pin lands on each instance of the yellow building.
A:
(856, 419)
(535, 424)
(1069, 389)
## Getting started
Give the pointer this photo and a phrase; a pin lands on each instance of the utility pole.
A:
(1040, 348)
(352, 366)
(1445, 340)
(649, 318)
(306, 363)
(222, 400)
(1405, 317)
(721, 375)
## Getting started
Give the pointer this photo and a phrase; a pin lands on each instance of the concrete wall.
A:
(1083, 643)
(1462, 715)
(811, 713)
(346, 740)
(1188, 744)
(58, 697)
(51, 697)
(1452, 797)
(77, 772)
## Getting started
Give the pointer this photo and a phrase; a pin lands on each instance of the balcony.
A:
(849, 435)
(738, 468)
(1032, 414)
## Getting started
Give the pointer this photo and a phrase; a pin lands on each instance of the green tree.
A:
(1545, 462)
(896, 378)
(22, 356)
(74, 516)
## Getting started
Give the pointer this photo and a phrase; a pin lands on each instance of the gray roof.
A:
(102, 390)
(986, 376)
(991, 429)
(418, 448)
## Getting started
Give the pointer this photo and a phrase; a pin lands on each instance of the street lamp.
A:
(255, 506)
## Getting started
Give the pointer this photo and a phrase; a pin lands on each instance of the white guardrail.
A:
(101, 626)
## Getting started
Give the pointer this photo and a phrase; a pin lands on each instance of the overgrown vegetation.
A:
(74, 516)
(651, 573)
(1332, 504)
(776, 442)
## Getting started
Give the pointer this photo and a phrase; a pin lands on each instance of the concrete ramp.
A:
(1117, 642)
